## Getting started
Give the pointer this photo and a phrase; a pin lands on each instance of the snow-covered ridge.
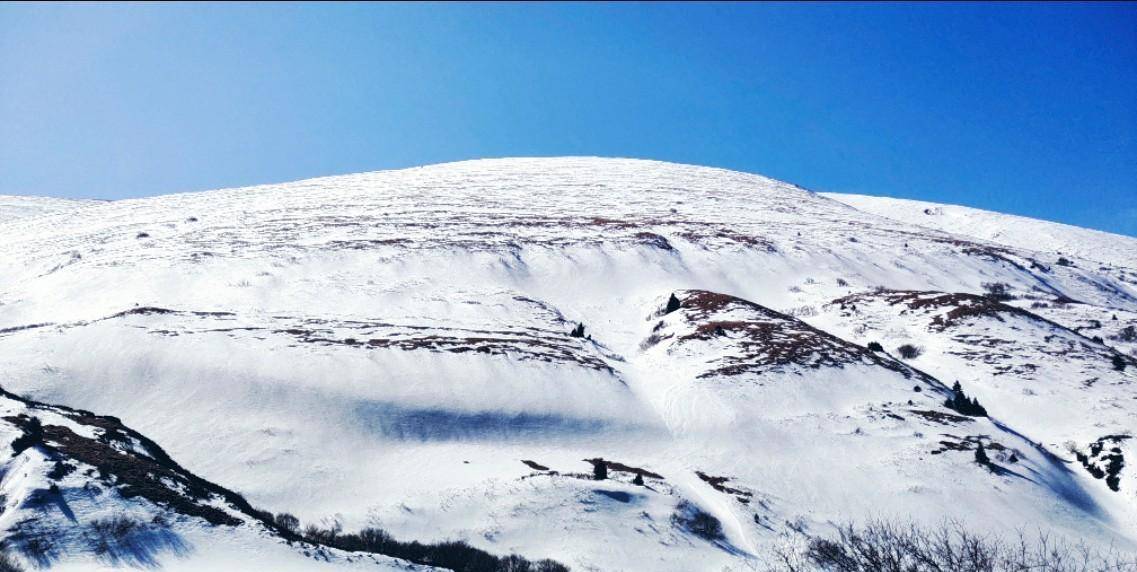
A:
(1009, 230)
(757, 339)
(13, 207)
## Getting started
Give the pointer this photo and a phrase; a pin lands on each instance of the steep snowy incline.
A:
(796, 404)
(1034, 372)
(1008, 230)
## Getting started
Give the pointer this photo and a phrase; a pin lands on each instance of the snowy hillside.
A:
(450, 352)
(16, 207)
(1008, 230)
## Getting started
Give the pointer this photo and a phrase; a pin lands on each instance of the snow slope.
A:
(141, 511)
(15, 207)
(394, 348)
(1008, 230)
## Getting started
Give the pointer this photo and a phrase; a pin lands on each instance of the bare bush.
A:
(9, 564)
(107, 533)
(452, 554)
(806, 311)
(117, 526)
(909, 351)
(697, 521)
(1127, 334)
(998, 291)
(287, 522)
(892, 547)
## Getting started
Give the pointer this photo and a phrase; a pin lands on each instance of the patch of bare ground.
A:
(547, 349)
(940, 417)
(767, 338)
(967, 443)
(719, 484)
(960, 305)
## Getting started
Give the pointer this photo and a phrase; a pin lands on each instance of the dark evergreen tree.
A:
(599, 470)
(578, 331)
(981, 455)
(875, 347)
(33, 435)
(963, 404)
(672, 304)
(960, 402)
(1118, 362)
(639, 480)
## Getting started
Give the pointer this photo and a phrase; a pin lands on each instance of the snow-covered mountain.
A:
(401, 349)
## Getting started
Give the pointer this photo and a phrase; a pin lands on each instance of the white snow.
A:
(388, 347)
(14, 207)
(1005, 229)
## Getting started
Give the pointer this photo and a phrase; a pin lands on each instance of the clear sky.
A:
(1028, 109)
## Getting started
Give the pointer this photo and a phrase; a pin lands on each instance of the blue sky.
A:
(1029, 109)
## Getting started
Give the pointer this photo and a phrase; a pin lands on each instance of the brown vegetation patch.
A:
(768, 338)
(967, 443)
(961, 306)
(719, 484)
(940, 417)
(521, 348)
(364, 244)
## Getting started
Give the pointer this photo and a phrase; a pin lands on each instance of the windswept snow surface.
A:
(388, 348)
(141, 510)
(16, 207)
(1008, 230)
